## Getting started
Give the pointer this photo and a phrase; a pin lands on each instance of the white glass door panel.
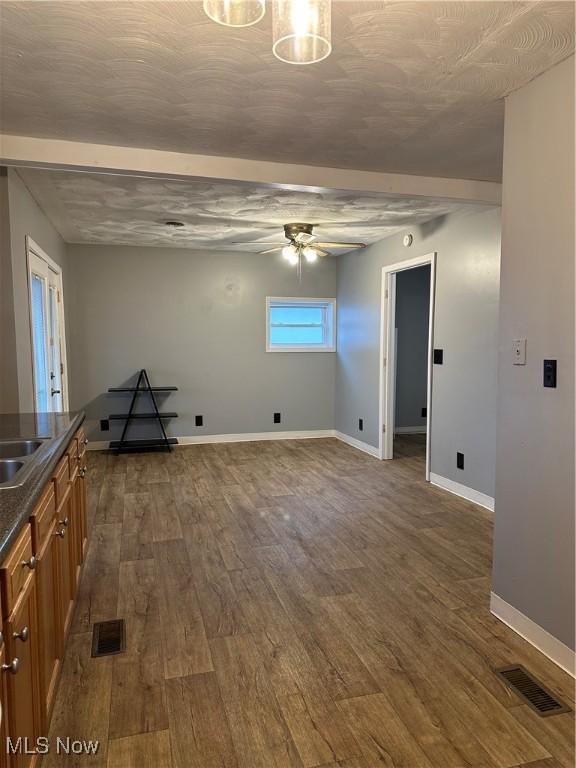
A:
(39, 321)
(47, 332)
(54, 352)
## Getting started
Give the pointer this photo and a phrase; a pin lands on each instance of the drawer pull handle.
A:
(64, 522)
(61, 533)
(32, 563)
(13, 667)
(85, 441)
(23, 635)
(1, 639)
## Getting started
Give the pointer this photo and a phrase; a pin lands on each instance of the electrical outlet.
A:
(277, 418)
(199, 421)
(550, 373)
(360, 425)
(438, 357)
(424, 413)
(460, 460)
(104, 425)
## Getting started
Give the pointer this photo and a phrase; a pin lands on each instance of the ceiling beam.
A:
(103, 158)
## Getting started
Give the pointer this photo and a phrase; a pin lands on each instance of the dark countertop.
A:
(17, 504)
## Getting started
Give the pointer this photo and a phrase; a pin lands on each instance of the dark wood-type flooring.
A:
(294, 604)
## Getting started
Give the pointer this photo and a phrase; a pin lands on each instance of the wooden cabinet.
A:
(50, 632)
(64, 566)
(38, 583)
(21, 673)
(3, 712)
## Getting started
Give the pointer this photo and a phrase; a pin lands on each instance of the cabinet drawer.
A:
(61, 479)
(42, 518)
(16, 569)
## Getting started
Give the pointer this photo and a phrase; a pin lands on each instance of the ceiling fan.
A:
(303, 243)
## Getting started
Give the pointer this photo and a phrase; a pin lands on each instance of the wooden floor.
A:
(295, 604)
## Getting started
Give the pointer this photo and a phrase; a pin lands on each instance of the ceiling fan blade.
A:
(259, 243)
(324, 244)
(321, 252)
(271, 250)
(304, 238)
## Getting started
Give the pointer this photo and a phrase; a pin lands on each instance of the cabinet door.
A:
(21, 674)
(83, 505)
(50, 629)
(3, 711)
(75, 533)
(64, 570)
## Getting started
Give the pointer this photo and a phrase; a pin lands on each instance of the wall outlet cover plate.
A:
(519, 352)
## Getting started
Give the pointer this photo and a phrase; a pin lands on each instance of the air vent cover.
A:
(108, 638)
(539, 698)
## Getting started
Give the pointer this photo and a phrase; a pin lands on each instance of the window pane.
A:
(295, 314)
(55, 375)
(305, 335)
(39, 340)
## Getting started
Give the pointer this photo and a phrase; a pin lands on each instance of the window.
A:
(300, 325)
(47, 324)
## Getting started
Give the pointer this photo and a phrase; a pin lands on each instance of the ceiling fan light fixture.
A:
(310, 254)
(235, 13)
(302, 30)
(290, 253)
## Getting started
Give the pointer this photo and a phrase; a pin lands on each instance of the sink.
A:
(8, 469)
(18, 459)
(13, 449)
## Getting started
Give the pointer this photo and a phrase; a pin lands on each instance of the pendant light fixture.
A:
(235, 13)
(302, 30)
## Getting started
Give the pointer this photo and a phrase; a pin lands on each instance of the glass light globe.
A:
(235, 13)
(310, 254)
(290, 253)
(302, 30)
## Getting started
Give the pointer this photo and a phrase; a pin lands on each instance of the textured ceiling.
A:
(92, 208)
(413, 87)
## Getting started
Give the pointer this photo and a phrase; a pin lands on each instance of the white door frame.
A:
(388, 353)
(33, 250)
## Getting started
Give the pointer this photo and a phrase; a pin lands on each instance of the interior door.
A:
(47, 333)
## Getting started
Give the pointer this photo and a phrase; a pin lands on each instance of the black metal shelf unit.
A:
(149, 444)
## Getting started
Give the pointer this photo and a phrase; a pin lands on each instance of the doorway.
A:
(407, 317)
(47, 331)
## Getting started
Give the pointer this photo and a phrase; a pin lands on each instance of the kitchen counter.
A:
(17, 504)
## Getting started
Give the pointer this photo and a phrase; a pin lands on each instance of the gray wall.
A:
(9, 364)
(534, 529)
(26, 218)
(412, 319)
(197, 320)
(466, 319)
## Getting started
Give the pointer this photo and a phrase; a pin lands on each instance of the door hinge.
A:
(386, 294)
(383, 427)
(58, 296)
(61, 369)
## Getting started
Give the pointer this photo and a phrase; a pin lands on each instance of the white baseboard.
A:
(98, 445)
(462, 490)
(243, 437)
(420, 430)
(357, 444)
(249, 437)
(546, 643)
(102, 445)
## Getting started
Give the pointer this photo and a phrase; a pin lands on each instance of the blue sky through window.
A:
(306, 324)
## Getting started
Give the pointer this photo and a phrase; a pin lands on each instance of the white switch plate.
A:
(519, 351)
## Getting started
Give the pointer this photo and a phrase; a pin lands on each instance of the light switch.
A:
(519, 351)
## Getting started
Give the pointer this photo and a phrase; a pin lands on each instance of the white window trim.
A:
(270, 300)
